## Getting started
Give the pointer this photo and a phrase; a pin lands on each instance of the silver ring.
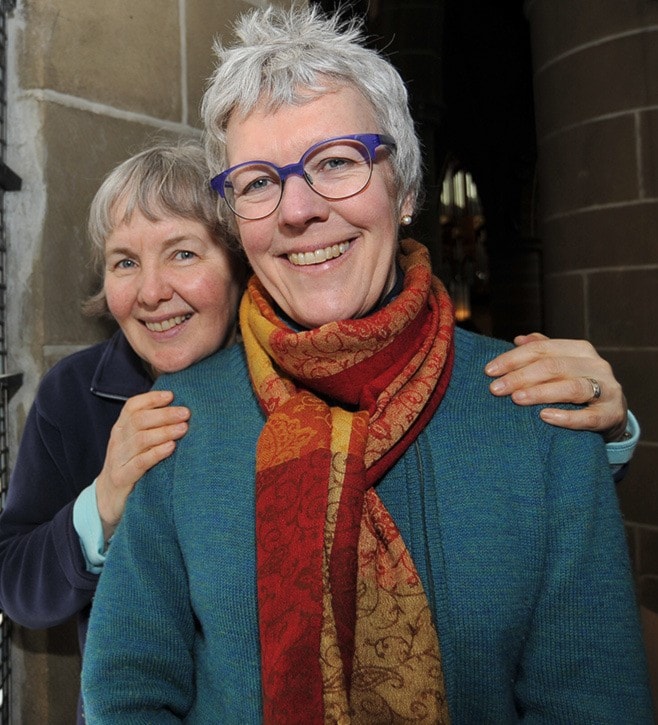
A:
(596, 389)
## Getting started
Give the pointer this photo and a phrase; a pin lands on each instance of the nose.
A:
(154, 287)
(299, 204)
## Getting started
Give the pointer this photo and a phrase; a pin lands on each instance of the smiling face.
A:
(171, 289)
(320, 260)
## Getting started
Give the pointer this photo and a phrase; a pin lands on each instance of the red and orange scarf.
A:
(346, 631)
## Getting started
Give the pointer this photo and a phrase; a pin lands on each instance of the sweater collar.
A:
(120, 373)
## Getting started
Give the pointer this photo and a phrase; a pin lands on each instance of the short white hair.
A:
(290, 56)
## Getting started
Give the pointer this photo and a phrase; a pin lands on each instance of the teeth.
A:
(166, 324)
(302, 259)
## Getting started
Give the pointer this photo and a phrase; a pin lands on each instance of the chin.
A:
(173, 366)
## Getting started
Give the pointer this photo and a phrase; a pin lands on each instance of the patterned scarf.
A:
(346, 631)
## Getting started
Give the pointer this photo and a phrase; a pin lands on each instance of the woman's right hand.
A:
(541, 371)
(144, 434)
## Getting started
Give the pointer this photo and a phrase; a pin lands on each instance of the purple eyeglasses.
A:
(336, 168)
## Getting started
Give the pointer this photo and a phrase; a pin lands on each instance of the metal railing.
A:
(8, 386)
(9, 383)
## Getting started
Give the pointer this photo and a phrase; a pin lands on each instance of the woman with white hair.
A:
(353, 529)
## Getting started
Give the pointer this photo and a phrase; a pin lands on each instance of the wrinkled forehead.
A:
(270, 101)
(331, 111)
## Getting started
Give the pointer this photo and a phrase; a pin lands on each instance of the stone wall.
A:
(596, 98)
(595, 84)
(89, 83)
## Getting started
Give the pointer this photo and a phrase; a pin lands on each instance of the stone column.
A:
(88, 84)
(596, 97)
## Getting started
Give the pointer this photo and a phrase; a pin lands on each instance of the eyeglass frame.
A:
(371, 142)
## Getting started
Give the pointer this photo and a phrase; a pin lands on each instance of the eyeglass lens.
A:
(334, 170)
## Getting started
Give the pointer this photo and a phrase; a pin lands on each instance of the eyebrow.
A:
(168, 243)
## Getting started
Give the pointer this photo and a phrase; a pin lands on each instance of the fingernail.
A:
(491, 368)
(498, 386)
(552, 415)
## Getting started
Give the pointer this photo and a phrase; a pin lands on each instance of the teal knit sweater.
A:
(513, 525)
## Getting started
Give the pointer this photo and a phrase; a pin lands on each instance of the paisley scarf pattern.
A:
(346, 631)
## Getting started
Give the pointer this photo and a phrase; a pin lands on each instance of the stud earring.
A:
(406, 220)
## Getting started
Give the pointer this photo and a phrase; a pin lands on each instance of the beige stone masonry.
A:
(89, 83)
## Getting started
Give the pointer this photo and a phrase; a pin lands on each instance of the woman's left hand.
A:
(543, 371)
